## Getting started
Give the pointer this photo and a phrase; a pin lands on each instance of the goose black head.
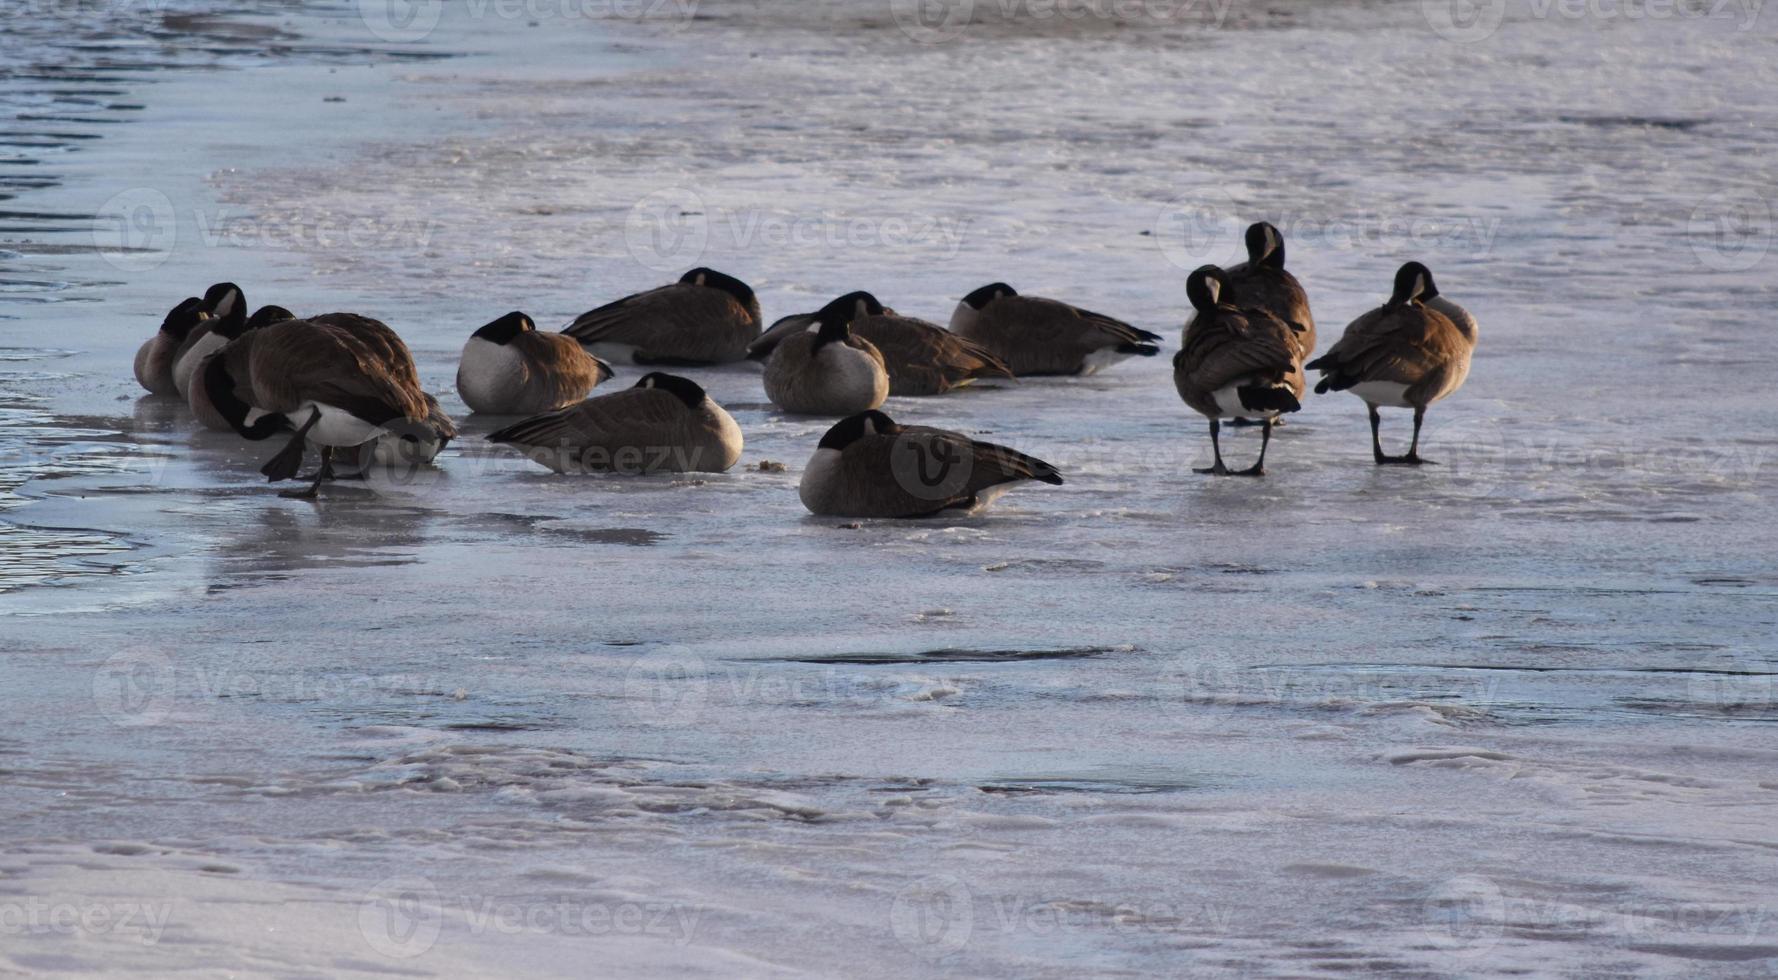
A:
(1265, 245)
(265, 316)
(225, 302)
(503, 330)
(1205, 287)
(855, 427)
(184, 318)
(1413, 281)
(834, 322)
(219, 387)
(988, 294)
(860, 304)
(742, 292)
(686, 389)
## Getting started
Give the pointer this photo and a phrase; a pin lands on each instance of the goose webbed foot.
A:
(1411, 459)
(1257, 469)
(1218, 470)
(323, 475)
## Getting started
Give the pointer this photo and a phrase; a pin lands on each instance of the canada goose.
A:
(339, 381)
(157, 355)
(664, 424)
(1235, 363)
(1262, 283)
(863, 304)
(509, 367)
(827, 370)
(1407, 353)
(226, 309)
(1043, 336)
(925, 358)
(704, 318)
(868, 466)
(403, 442)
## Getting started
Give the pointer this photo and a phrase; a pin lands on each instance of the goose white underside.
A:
(1101, 359)
(820, 479)
(1228, 400)
(851, 373)
(1384, 394)
(336, 427)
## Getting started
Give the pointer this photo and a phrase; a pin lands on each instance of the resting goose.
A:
(666, 423)
(226, 318)
(868, 466)
(1262, 283)
(1235, 363)
(924, 358)
(509, 367)
(861, 303)
(339, 381)
(1037, 336)
(1407, 353)
(826, 370)
(704, 318)
(157, 355)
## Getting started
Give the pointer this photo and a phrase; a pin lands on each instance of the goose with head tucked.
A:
(156, 357)
(707, 317)
(665, 424)
(861, 303)
(225, 308)
(509, 367)
(924, 358)
(826, 370)
(1235, 363)
(868, 466)
(1262, 283)
(1408, 353)
(1037, 336)
(340, 382)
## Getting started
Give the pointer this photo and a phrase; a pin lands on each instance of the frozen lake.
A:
(1508, 715)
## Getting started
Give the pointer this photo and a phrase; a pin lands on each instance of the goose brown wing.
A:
(642, 417)
(1403, 345)
(680, 322)
(555, 366)
(338, 364)
(925, 359)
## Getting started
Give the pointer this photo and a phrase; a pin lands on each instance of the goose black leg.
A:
(290, 459)
(1265, 439)
(1216, 447)
(1413, 456)
(321, 476)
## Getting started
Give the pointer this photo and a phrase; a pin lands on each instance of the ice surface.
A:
(1509, 714)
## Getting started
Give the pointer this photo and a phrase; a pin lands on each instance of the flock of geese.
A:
(346, 384)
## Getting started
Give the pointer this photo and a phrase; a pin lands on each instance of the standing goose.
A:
(868, 466)
(509, 367)
(827, 371)
(403, 443)
(1262, 283)
(1407, 353)
(157, 355)
(1235, 363)
(339, 381)
(862, 304)
(1044, 336)
(664, 424)
(704, 318)
(226, 319)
